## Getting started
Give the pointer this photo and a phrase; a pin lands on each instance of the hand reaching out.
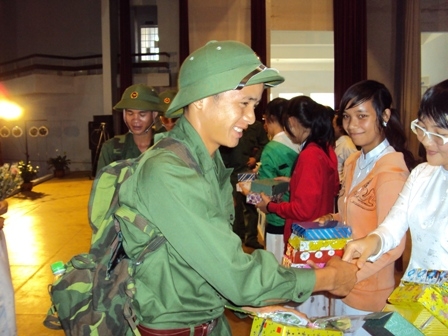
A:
(359, 250)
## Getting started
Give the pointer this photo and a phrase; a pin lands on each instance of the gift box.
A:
(255, 198)
(303, 244)
(318, 231)
(246, 179)
(420, 318)
(287, 262)
(417, 302)
(247, 176)
(389, 324)
(420, 275)
(321, 256)
(270, 187)
(267, 327)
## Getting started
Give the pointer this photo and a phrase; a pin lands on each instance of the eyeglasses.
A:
(421, 133)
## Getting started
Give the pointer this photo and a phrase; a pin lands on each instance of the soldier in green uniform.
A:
(183, 286)
(140, 105)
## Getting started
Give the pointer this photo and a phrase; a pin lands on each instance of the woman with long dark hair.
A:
(373, 179)
(277, 159)
(314, 180)
(422, 205)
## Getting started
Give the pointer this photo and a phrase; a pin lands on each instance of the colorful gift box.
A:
(246, 179)
(420, 275)
(255, 198)
(417, 302)
(247, 176)
(421, 318)
(389, 324)
(270, 187)
(318, 231)
(303, 244)
(287, 262)
(266, 327)
(322, 256)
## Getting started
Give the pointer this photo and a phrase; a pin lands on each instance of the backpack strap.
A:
(180, 150)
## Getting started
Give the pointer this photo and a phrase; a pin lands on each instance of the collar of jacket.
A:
(185, 132)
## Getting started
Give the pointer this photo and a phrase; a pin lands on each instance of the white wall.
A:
(435, 57)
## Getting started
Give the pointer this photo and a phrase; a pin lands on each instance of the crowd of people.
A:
(185, 285)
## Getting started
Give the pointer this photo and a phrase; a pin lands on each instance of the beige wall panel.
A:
(218, 20)
(302, 15)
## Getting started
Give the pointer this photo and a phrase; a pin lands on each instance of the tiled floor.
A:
(45, 225)
(49, 224)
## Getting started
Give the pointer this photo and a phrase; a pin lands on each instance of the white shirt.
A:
(366, 162)
(421, 206)
(284, 139)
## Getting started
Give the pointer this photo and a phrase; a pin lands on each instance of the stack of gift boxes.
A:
(312, 241)
(422, 298)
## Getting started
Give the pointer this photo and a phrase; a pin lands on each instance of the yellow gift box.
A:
(302, 244)
(266, 327)
(424, 305)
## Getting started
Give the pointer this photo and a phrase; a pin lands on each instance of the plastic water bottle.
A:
(58, 269)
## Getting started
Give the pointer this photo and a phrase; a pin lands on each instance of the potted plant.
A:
(28, 173)
(59, 164)
(10, 180)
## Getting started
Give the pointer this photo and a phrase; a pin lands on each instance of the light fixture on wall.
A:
(43, 131)
(33, 131)
(5, 132)
(17, 131)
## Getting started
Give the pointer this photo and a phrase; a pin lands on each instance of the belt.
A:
(203, 329)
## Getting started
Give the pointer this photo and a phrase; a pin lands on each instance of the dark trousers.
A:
(246, 219)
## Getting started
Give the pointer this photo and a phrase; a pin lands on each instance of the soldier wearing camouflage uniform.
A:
(183, 286)
(140, 105)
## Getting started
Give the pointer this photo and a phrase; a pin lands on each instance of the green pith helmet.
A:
(166, 97)
(217, 67)
(139, 97)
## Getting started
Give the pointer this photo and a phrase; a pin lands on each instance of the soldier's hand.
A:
(345, 277)
(337, 277)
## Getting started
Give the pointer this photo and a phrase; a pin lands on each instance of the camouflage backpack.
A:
(94, 296)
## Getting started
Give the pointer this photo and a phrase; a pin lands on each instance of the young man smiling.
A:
(183, 286)
(140, 105)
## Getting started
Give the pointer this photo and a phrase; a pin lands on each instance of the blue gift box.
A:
(317, 231)
(247, 176)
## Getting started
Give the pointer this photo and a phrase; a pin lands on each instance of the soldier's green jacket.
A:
(202, 266)
(120, 147)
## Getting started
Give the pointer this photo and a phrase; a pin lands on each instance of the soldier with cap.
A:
(166, 97)
(165, 124)
(140, 105)
(183, 286)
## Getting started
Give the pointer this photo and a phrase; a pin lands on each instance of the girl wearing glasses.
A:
(373, 178)
(423, 204)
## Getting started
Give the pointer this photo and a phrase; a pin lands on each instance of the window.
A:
(289, 95)
(149, 40)
(326, 99)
